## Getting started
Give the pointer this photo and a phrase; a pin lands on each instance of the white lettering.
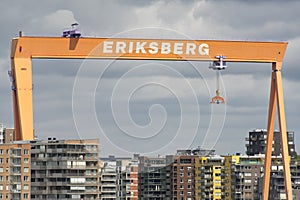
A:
(165, 48)
(153, 48)
(203, 49)
(178, 48)
(140, 47)
(107, 47)
(156, 47)
(120, 47)
(190, 48)
(130, 48)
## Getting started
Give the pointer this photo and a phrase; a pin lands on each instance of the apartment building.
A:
(2, 132)
(65, 169)
(257, 142)
(242, 177)
(127, 179)
(183, 172)
(108, 179)
(7, 135)
(183, 177)
(119, 178)
(208, 179)
(153, 178)
(245, 177)
(15, 170)
(277, 188)
(227, 179)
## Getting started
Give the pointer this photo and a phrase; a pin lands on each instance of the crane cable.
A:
(218, 82)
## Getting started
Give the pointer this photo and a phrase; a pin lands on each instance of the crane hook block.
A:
(217, 99)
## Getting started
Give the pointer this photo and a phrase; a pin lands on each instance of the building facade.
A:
(153, 179)
(257, 142)
(208, 179)
(65, 169)
(277, 187)
(119, 178)
(182, 177)
(227, 176)
(127, 179)
(245, 177)
(108, 179)
(7, 135)
(15, 170)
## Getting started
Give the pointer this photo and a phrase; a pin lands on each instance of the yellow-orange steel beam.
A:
(22, 98)
(283, 133)
(154, 49)
(270, 134)
(276, 98)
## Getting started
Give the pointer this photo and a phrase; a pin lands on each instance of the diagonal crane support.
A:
(24, 49)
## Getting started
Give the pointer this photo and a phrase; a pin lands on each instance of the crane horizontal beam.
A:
(146, 49)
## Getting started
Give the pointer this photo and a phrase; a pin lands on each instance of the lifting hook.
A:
(218, 65)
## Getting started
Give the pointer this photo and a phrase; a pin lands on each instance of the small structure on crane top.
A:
(218, 65)
(74, 32)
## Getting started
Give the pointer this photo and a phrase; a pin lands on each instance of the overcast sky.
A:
(153, 106)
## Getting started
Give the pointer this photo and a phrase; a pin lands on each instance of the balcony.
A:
(15, 191)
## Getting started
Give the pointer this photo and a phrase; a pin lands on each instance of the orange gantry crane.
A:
(24, 49)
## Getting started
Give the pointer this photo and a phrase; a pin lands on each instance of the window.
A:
(26, 151)
(248, 167)
(1, 160)
(1, 169)
(88, 172)
(26, 160)
(26, 196)
(1, 187)
(1, 178)
(26, 169)
(26, 187)
(218, 193)
(1, 151)
(26, 178)
(247, 187)
(248, 181)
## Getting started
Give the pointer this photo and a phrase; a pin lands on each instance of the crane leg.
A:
(270, 134)
(276, 98)
(283, 133)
